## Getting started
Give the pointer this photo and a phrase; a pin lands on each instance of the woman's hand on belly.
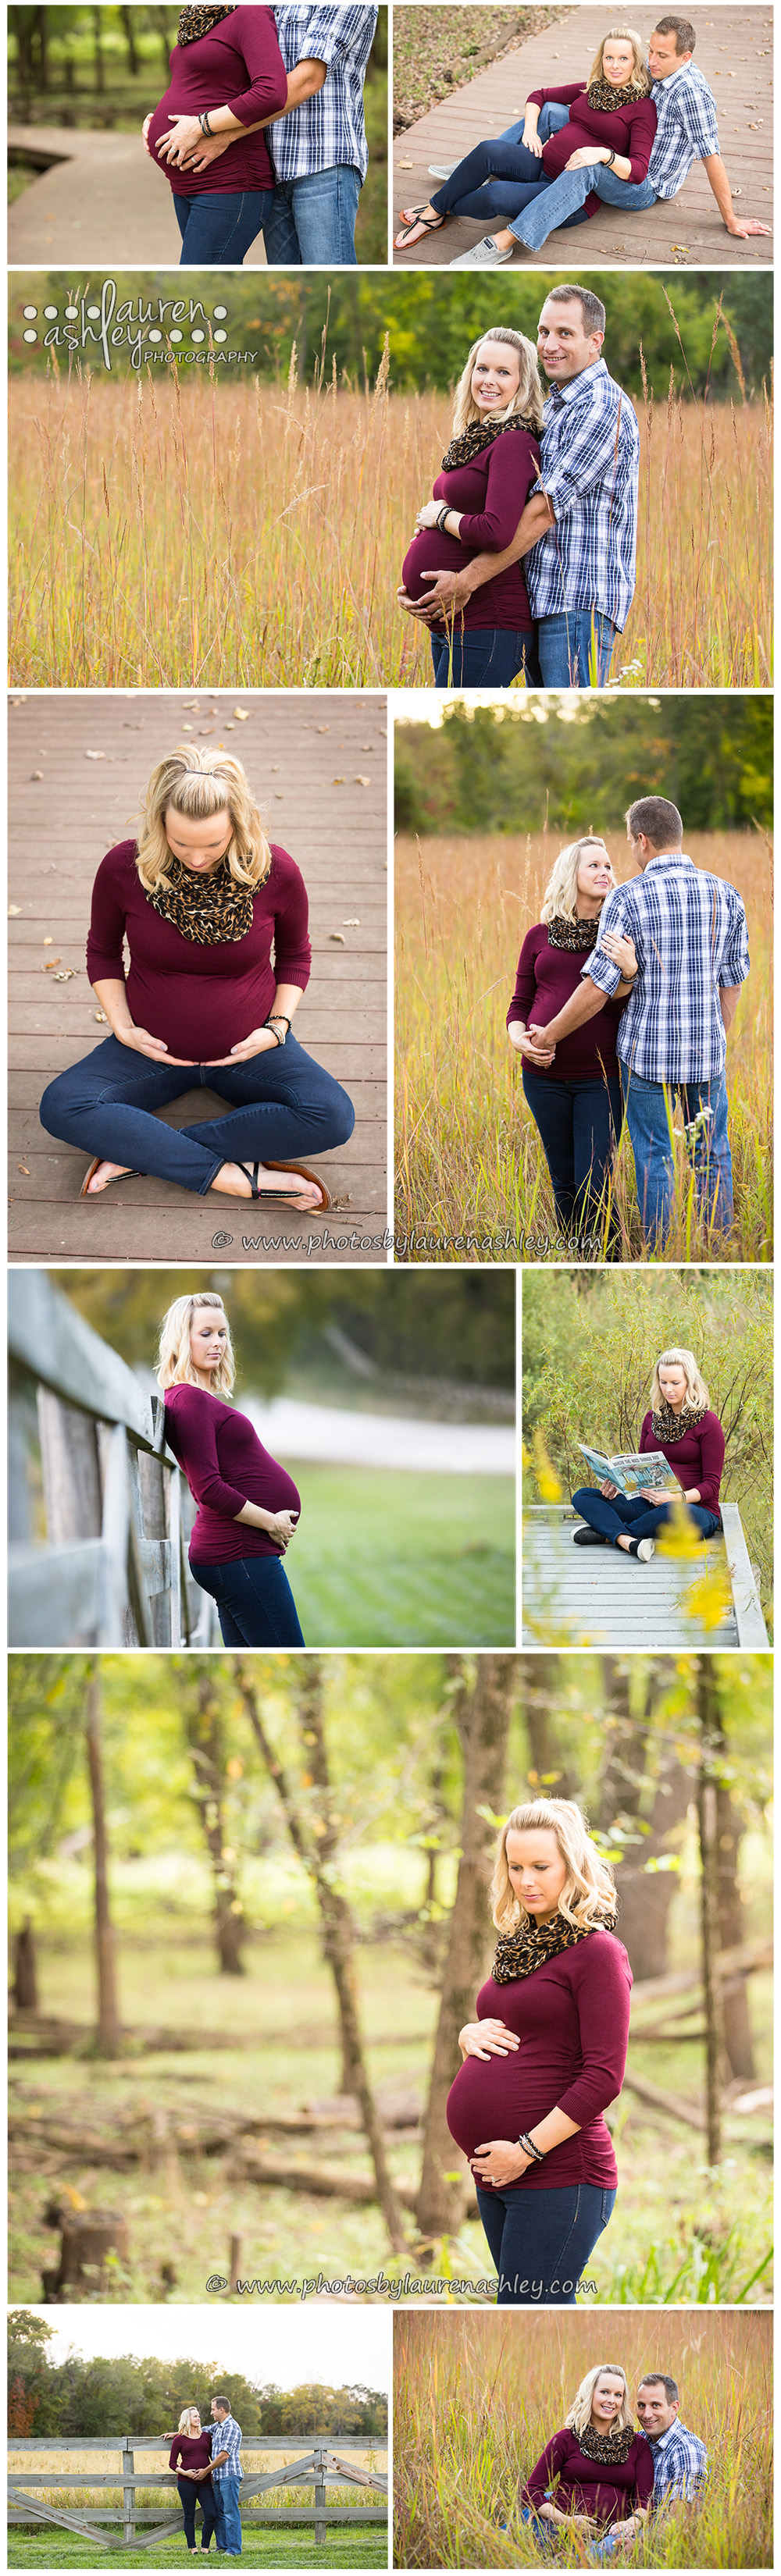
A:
(181, 141)
(500, 2162)
(587, 154)
(486, 2039)
(283, 1528)
(257, 1043)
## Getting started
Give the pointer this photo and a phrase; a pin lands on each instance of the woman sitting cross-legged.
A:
(689, 1435)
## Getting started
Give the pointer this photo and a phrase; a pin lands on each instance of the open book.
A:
(633, 1473)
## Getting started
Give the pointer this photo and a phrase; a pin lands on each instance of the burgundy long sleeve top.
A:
(226, 1466)
(697, 1460)
(200, 1000)
(608, 2492)
(547, 978)
(193, 2451)
(629, 130)
(491, 492)
(238, 65)
(572, 2019)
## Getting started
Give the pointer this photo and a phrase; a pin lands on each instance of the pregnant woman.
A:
(190, 2454)
(597, 2472)
(248, 1506)
(487, 474)
(573, 1090)
(227, 74)
(201, 898)
(545, 2057)
(611, 118)
(680, 1425)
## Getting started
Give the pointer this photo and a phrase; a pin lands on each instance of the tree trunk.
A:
(97, 47)
(483, 1719)
(736, 2018)
(706, 1815)
(167, 39)
(645, 1897)
(25, 1978)
(548, 1776)
(334, 1911)
(205, 1735)
(108, 2033)
(128, 31)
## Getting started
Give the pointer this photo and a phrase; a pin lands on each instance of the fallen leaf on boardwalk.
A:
(353, 923)
(358, 781)
(242, 713)
(23, 1167)
(48, 943)
(339, 782)
(94, 755)
(683, 247)
(51, 962)
(14, 910)
(65, 976)
(101, 1016)
(405, 165)
(338, 934)
(36, 773)
(324, 728)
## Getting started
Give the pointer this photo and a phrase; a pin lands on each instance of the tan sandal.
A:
(413, 217)
(85, 1191)
(306, 1175)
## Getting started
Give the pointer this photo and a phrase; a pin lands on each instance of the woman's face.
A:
(208, 1340)
(195, 2423)
(200, 846)
(672, 1381)
(606, 2401)
(537, 1870)
(496, 375)
(618, 61)
(595, 877)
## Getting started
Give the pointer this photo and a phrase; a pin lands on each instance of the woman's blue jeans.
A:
(580, 1124)
(282, 1104)
(540, 2240)
(629, 1512)
(490, 656)
(255, 1605)
(498, 178)
(218, 227)
(190, 2496)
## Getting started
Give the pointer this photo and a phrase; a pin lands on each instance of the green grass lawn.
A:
(385, 1559)
(295, 2547)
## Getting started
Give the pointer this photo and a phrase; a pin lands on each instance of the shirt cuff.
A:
(603, 972)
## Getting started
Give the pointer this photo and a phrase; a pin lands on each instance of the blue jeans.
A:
(312, 220)
(580, 1124)
(575, 648)
(629, 1512)
(498, 178)
(646, 1105)
(540, 2240)
(554, 207)
(282, 1105)
(492, 655)
(189, 2496)
(255, 1606)
(218, 228)
(226, 2497)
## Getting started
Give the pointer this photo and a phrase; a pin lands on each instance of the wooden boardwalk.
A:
(305, 755)
(600, 1596)
(734, 52)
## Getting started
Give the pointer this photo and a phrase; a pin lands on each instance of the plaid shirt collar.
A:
(561, 395)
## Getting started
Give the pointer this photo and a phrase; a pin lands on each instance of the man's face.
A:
(662, 57)
(653, 2409)
(564, 344)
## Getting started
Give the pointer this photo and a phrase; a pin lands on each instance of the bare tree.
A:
(541, 1678)
(108, 2031)
(206, 1739)
(707, 1712)
(481, 1712)
(648, 1792)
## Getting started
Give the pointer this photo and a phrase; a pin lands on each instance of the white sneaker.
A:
(435, 173)
(483, 255)
(646, 1549)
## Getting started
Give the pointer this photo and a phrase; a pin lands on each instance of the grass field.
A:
(384, 1559)
(169, 533)
(468, 1152)
(294, 2547)
(476, 2400)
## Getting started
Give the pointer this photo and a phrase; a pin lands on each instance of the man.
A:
(579, 527)
(319, 148)
(226, 2475)
(689, 930)
(686, 132)
(680, 2458)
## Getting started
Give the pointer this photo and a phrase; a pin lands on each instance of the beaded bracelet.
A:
(274, 1023)
(203, 121)
(529, 2149)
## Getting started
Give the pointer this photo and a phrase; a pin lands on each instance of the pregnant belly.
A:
(431, 552)
(200, 1017)
(496, 2099)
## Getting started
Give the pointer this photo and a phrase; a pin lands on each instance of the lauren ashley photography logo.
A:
(152, 330)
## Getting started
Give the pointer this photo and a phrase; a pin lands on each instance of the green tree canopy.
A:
(511, 767)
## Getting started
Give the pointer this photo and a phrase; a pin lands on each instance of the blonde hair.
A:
(696, 1390)
(588, 1893)
(579, 2416)
(186, 2418)
(529, 397)
(174, 1357)
(639, 78)
(199, 784)
(560, 900)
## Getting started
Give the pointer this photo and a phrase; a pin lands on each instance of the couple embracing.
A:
(207, 2461)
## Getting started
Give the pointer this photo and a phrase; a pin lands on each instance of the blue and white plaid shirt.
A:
(690, 934)
(686, 130)
(326, 131)
(227, 2437)
(590, 451)
(680, 2465)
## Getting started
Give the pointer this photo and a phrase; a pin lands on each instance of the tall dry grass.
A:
(476, 2399)
(469, 1156)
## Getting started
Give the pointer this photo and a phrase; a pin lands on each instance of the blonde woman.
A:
(487, 474)
(545, 2056)
(681, 1426)
(610, 118)
(203, 902)
(248, 1506)
(602, 2468)
(573, 1090)
(190, 2455)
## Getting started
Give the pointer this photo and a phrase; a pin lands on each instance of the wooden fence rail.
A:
(320, 2468)
(112, 1570)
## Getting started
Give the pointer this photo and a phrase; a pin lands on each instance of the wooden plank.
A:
(602, 1596)
(48, 1337)
(748, 1609)
(57, 1596)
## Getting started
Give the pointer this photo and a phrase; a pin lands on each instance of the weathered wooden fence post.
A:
(128, 2494)
(320, 2496)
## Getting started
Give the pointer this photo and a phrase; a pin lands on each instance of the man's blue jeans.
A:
(226, 2497)
(650, 1109)
(554, 206)
(575, 648)
(312, 220)
(218, 228)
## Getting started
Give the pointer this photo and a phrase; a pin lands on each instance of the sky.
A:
(338, 2346)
